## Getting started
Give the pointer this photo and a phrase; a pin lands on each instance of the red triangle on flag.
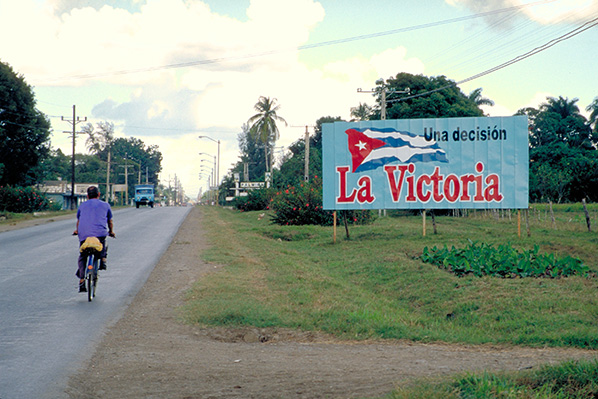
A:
(361, 145)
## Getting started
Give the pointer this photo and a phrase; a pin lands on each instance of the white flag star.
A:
(361, 145)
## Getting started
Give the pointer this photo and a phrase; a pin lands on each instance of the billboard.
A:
(443, 163)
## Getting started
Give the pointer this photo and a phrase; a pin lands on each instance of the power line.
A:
(305, 47)
(582, 28)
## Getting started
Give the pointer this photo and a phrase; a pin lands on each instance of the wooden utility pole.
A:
(74, 123)
(306, 167)
(306, 163)
(383, 110)
(126, 166)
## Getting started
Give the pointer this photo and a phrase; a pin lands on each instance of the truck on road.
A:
(144, 195)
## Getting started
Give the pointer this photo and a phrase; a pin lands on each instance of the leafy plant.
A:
(22, 200)
(302, 205)
(255, 200)
(502, 261)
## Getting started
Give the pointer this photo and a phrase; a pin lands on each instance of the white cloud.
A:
(547, 13)
(169, 107)
(392, 61)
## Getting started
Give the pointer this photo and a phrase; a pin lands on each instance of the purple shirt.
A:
(93, 216)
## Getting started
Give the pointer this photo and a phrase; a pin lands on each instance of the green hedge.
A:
(22, 200)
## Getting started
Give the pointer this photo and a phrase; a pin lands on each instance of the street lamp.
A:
(205, 160)
(217, 167)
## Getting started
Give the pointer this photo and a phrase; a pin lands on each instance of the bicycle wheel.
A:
(89, 286)
(90, 278)
(94, 280)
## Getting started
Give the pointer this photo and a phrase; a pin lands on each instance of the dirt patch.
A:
(149, 353)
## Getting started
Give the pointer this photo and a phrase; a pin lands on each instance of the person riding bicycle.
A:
(94, 219)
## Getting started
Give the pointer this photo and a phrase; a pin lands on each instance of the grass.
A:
(11, 218)
(374, 286)
(569, 380)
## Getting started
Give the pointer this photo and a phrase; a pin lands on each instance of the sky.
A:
(169, 71)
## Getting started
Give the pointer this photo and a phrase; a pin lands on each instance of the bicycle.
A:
(91, 249)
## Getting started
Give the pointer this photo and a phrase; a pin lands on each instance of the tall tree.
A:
(429, 97)
(478, 99)
(292, 169)
(567, 123)
(24, 131)
(263, 125)
(99, 141)
(562, 106)
(56, 166)
(563, 155)
(593, 109)
(252, 163)
(361, 113)
(133, 152)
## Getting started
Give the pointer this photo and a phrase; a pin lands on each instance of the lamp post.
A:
(213, 179)
(215, 167)
(218, 166)
(209, 174)
(202, 176)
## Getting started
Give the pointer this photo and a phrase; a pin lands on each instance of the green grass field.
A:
(569, 380)
(374, 286)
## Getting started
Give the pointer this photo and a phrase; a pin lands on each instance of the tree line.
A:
(562, 141)
(28, 159)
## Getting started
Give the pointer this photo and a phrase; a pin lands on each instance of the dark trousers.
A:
(83, 258)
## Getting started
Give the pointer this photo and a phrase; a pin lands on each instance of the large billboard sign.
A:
(444, 163)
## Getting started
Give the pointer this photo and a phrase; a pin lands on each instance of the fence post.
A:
(585, 209)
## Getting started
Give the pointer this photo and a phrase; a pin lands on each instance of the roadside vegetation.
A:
(569, 380)
(375, 286)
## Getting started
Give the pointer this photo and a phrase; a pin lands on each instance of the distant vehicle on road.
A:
(144, 195)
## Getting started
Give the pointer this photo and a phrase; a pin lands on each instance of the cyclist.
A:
(94, 219)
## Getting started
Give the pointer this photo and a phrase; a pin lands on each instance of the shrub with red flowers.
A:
(22, 200)
(302, 204)
(255, 200)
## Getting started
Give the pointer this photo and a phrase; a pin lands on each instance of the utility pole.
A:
(126, 166)
(176, 192)
(306, 164)
(74, 123)
(108, 195)
(383, 98)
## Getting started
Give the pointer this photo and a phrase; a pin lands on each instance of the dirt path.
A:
(150, 354)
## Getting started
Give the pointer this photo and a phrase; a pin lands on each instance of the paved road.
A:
(48, 329)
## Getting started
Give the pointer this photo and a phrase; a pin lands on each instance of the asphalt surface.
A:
(47, 329)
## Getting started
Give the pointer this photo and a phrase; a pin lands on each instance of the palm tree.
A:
(361, 113)
(561, 106)
(593, 109)
(263, 124)
(101, 140)
(476, 97)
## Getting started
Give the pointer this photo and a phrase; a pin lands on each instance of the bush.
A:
(256, 200)
(504, 261)
(22, 200)
(302, 204)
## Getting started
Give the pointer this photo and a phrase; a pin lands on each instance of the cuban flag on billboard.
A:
(372, 148)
